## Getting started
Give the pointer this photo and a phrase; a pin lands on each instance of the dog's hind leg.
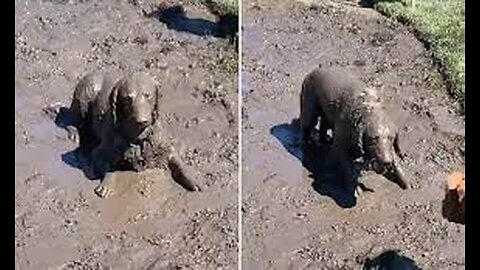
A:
(308, 113)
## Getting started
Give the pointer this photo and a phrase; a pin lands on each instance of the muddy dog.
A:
(118, 129)
(359, 123)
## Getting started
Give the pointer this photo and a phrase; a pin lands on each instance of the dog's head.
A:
(134, 102)
(378, 140)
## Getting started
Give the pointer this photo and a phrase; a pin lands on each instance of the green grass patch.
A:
(441, 25)
(222, 7)
(227, 12)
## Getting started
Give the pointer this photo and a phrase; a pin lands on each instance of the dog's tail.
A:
(181, 172)
(396, 146)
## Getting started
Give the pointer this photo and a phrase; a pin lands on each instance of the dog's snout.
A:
(382, 167)
(143, 121)
(142, 114)
(143, 117)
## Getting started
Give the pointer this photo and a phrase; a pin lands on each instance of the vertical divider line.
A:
(239, 134)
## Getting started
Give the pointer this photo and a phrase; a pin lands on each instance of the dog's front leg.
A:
(101, 159)
(106, 187)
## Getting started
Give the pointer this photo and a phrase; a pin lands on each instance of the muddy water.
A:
(36, 154)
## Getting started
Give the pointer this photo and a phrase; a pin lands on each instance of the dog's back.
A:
(101, 106)
(90, 102)
(85, 92)
(331, 87)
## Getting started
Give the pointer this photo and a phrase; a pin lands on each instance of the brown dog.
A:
(120, 129)
(357, 118)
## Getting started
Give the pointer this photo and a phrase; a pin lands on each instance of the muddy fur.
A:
(118, 129)
(85, 92)
(355, 114)
(84, 95)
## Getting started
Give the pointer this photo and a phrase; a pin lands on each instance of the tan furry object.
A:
(454, 203)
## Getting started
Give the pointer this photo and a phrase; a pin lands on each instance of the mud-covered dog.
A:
(357, 118)
(118, 129)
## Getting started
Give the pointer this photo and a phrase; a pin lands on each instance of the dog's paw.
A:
(358, 192)
(107, 187)
(103, 191)
(72, 134)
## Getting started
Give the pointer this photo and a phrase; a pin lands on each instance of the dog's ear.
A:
(157, 96)
(362, 141)
(113, 101)
(396, 146)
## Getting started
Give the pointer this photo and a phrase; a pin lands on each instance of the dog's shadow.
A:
(317, 160)
(390, 259)
(175, 18)
(73, 158)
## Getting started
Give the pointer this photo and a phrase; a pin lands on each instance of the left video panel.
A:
(126, 134)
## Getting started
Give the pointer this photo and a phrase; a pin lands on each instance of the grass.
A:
(441, 25)
(222, 7)
(227, 12)
(217, 7)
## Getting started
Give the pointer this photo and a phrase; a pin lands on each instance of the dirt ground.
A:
(293, 220)
(153, 223)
